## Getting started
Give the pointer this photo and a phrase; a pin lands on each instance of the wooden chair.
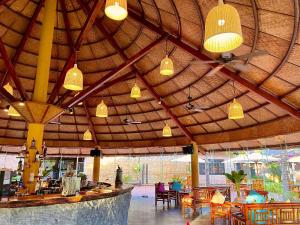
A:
(161, 196)
(173, 194)
(194, 201)
(222, 211)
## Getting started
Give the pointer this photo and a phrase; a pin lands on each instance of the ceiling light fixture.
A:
(135, 91)
(116, 9)
(87, 136)
(101, 110)
(235, 109)
(13, 112)
(74, 78)
(166, 64)
(9, 89)
(223, 31)
(167, 131)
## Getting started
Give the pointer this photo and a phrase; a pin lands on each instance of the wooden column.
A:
(195, 166)
(96, 169)
(35, 130)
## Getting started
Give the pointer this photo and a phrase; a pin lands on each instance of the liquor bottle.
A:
(20, 166)
(37, 156)
(33, 144)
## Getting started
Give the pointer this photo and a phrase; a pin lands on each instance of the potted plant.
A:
(236, 178)
(83, 177)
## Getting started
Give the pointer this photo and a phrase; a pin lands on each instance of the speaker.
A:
(189, 149)
(95, 152)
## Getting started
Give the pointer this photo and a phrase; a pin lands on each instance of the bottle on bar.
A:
(37, 156)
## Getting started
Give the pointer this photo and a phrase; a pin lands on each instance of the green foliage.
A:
(137, 168)
(236, 177)
(83, 176)
(273, 187)
(274, 169)
(127, 179)
(177, 179)
(46, 172)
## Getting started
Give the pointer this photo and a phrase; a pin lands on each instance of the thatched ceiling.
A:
(271, 102)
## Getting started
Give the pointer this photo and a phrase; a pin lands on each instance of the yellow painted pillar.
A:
(195, 165)
(43, 64)
(96, 169)
(36, 131)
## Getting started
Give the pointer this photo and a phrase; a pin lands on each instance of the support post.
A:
(96, 169)
(195, 165)
(35, 130)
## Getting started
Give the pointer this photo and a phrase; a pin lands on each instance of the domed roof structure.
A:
(113, 56)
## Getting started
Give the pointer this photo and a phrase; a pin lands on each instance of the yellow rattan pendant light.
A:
(166, 64)
(12, 111)
(9, 88)
(101, 110)
(235, 109)
(167, 131)
(135, 91)
(87, 136)
(116, 9)
(223, 30)
(74, 79)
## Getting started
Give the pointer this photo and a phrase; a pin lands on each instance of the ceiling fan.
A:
(128, 121)
(231, 60)
(192, 106)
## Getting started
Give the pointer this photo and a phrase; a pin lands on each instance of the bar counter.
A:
(106, 206)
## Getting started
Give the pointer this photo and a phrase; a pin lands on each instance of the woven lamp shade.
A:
(166, 66)
(74, 79)
(101, 110)
(235, 110)
(223, 31)
(87, 136)
(13, 112)
(167, 131)
(116, 9)
(9, 88)
(135, 92)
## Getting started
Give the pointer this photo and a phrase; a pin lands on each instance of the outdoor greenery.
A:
(236, 178)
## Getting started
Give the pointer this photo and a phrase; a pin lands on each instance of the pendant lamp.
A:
(116, 9)
(166, 65)
(235, 110)
(87, 136)
(74, 79)
(167, 131)
(223, 31)
(13, 112)
(135, 91)
(9, 88)
(101, 110)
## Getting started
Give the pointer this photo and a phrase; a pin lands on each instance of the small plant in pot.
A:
(83, 177)
(236, 178)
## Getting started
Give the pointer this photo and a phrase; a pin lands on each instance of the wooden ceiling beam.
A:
(96, 87)
(67, 24)
(2, 2)
(12, 72)
(115, 45)
(229, 74)
(98, 5)
(25, 37)
(91, 125)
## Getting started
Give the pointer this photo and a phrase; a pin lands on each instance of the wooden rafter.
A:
(2, 2)
(229, 74)
(11, 71)
(67, 23)
(71, 59)
(115, 45)
(91, 125)
(112, 74)
(25, 37)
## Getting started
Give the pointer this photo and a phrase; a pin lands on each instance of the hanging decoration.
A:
(167, 131)
(9, 89)
(166, 65)
(235, 110)
(116, 9)
(135, 91)
(87, 136)
(223, 31)
(74, 78)
(101, 110)
(12, 111)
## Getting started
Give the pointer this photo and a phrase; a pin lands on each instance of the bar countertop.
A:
(52, 199)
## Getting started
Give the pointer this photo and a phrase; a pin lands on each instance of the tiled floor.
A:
(143, 212)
